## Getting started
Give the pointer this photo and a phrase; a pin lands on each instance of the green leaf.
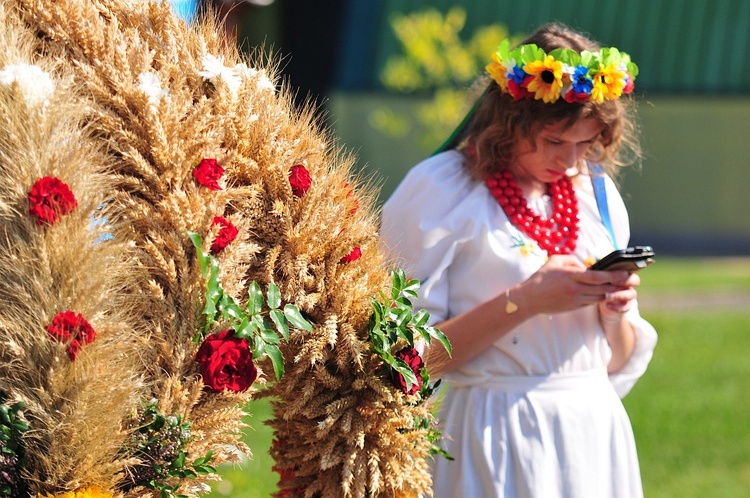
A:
(407, 334)
(401, 367)
(274, 296)
(277, 359)
(230, 309)
(179, 462)
(243, 329)
(255, 299)
(403, 317)
(259, 348)
(411, 287)
(204, 459)
(421, 318)
(278, 318)
(442, 339)
(269, 335)
(203, 259)
(294, 316)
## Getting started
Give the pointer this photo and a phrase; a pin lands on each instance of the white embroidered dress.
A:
(536, 414)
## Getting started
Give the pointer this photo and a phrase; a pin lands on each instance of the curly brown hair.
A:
(499, 122)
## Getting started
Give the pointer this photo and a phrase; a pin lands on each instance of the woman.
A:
(500, 229)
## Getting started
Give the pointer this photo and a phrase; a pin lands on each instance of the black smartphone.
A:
(631, 259)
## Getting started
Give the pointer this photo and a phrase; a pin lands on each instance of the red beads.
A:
(558, 233)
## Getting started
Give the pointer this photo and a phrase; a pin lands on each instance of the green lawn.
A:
(690, 411)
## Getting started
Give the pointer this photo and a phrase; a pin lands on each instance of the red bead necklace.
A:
(558, 233)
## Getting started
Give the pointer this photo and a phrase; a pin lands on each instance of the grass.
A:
(690, 411)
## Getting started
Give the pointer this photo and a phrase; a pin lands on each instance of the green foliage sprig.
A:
(262, 319)
(12, 428)
(159, 442)
(393, 319)
(433, 436)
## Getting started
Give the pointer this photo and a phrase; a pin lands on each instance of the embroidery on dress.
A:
(527, 247)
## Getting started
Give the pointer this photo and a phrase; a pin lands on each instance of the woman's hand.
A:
(564, 284)
(615, 304)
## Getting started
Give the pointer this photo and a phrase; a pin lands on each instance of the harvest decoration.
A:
(157, 128)
(528, 72)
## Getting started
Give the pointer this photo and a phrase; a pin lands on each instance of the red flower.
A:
(353, 255)
(412, 358)
(227, 233)
(226, 362)
(576, 98)
(629, 86)
(520, 91)
(71, 328)
(49, 198)
(208, 172)
(300, 180)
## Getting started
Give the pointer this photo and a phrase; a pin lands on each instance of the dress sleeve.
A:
(645, 334)
(423, 227)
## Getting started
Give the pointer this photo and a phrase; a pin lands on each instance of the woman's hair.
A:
(499, 121)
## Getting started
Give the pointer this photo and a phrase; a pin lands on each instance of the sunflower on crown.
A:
(528, 72)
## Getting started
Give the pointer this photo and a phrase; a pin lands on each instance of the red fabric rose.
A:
(227, 233)
(412, 358)
(208, 172)
(300, 180)
(50, 198)
(71, 328)
(226, 362)
(353, 255)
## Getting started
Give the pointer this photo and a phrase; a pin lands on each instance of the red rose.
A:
(226, 362)
(300, 180)
(227, 233)
(353, 255)
(49, 198)
(412, 358)
(72, 328)
(208, 172)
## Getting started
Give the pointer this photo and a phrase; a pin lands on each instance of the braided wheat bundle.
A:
(214, 181)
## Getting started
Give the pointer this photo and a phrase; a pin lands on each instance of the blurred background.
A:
(389, 80)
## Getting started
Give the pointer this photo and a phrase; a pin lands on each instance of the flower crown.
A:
(528, 72)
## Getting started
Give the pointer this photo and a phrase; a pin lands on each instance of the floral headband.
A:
(528, 72)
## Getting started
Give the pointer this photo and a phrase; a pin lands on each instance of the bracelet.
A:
(510, 306)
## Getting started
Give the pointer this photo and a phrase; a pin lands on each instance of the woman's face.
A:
(555, 150)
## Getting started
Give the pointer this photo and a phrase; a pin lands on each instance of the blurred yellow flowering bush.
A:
(436, 61)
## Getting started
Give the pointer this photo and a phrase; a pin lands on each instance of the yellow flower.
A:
(498, 72)
(90, 492)
(529, 247)
(608, 83)
(547, 81)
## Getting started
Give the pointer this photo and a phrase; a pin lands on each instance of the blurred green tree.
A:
(435, 62)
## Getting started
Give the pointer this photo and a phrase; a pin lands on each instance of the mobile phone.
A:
(631, 259)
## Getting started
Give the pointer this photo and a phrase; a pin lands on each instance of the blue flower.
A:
(517, 75)
(581, 81)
